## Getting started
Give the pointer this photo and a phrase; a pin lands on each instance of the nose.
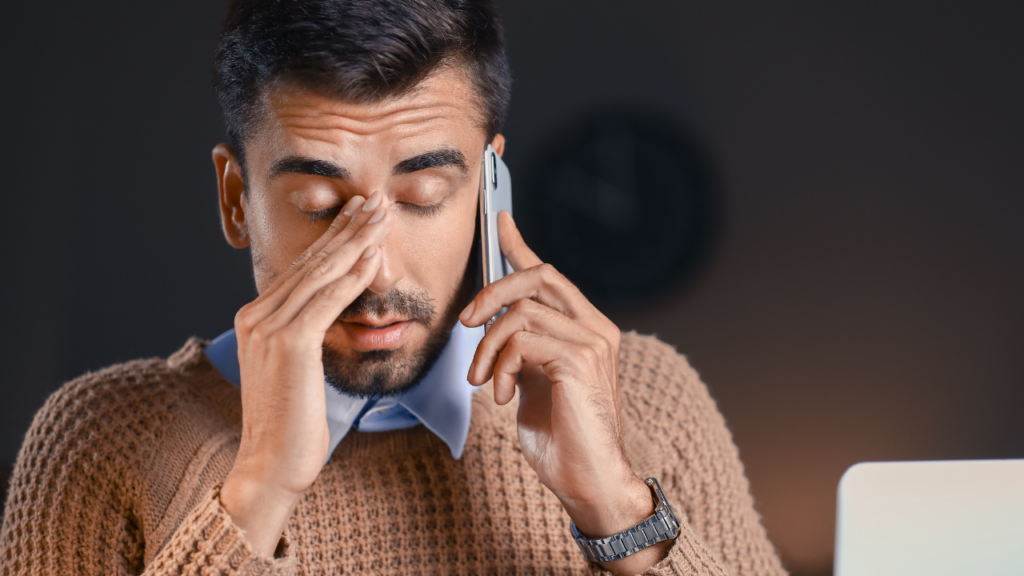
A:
(392, 268)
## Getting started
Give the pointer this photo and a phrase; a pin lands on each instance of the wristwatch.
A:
(663, 525)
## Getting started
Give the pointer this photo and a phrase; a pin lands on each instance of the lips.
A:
(367, 333)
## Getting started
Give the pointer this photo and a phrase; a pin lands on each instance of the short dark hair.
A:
(361, 51)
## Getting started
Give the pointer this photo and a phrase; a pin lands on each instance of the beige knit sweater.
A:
(119, 474)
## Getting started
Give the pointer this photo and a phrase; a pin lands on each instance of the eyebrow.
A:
(315, 167)
(434, 159)
(310, 166)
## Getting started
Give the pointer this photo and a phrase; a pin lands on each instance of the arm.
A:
(285, 439)
(675, 432)
(563, 354)
(73, 507)
(75, 504)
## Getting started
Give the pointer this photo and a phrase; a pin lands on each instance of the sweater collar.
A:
(442, 401)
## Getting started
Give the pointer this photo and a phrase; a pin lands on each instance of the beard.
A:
(383, 373)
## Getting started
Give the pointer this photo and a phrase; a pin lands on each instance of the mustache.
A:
(412, 305)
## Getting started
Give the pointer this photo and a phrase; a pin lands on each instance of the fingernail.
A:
(468, 312)
(377, 216)
(372, 202)
(352, 205)
(369, 252)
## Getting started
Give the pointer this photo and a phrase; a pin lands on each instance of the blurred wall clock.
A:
(621, 202)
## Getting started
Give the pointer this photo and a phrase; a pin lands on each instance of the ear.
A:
(231, 191)
(499, 144)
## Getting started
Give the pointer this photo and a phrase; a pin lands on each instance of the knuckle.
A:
(261, 333)
(321, 255)
(322, 269)
(521, 306)
(329, 292)
(520, 338)
(615, 338)
(549, 275)
(354, 222)
(243, 322)
(549, 271)
(333, 290)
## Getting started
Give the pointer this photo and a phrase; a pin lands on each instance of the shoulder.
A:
(118, 415)
(106, 458)
(662, 393)
(648, 366)
(640, 354)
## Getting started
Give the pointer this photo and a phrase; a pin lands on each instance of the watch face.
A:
(620, 202)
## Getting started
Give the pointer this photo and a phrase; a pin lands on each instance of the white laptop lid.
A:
(931, 518)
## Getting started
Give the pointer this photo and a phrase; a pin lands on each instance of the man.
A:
(336, 429)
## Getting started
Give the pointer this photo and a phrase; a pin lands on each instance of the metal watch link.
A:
(661, 526)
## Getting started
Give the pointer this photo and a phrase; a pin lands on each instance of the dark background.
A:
(863, 300)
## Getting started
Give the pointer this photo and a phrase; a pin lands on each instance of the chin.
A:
(383, 371)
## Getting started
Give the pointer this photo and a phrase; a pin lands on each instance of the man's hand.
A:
(285, 439)
(566, 354)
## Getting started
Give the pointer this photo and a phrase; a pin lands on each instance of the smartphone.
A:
(495, 196)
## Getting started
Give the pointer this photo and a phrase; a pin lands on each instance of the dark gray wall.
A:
(864, 300)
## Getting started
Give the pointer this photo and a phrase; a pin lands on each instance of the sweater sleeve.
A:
(208, 542)
(76, 504)
(675, 433)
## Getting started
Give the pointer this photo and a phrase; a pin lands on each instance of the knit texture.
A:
(120, 474)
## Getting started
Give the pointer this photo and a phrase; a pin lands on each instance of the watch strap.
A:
(662, 525)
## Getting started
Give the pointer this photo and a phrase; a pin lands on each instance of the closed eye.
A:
(423, 211)
(321, 215)
(332, 213)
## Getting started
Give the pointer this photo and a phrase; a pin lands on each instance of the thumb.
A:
(512, 245)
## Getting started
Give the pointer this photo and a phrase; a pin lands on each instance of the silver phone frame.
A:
(495, 196)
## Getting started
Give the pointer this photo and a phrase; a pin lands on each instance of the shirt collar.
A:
(442, 401)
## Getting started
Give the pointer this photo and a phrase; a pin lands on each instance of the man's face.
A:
(312, 153)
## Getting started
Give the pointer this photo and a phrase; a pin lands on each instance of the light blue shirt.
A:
(442, 401)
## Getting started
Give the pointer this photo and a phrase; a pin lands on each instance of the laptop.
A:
(951, 518)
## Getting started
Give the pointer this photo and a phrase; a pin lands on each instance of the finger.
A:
(342, 223)
(327, 304)
(526, 316)
(512, 245)
(355, 214)
(541, 283)
(353, 217)
(559, 360)
(271, 298)
(336, 264)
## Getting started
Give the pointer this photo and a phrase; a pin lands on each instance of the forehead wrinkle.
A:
(329, 134)
(304, 109)
(333, 121)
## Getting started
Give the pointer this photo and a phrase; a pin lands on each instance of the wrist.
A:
(615, 508)
(260, 509)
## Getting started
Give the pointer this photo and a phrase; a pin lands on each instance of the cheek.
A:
(277, 237)
(437, 249)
